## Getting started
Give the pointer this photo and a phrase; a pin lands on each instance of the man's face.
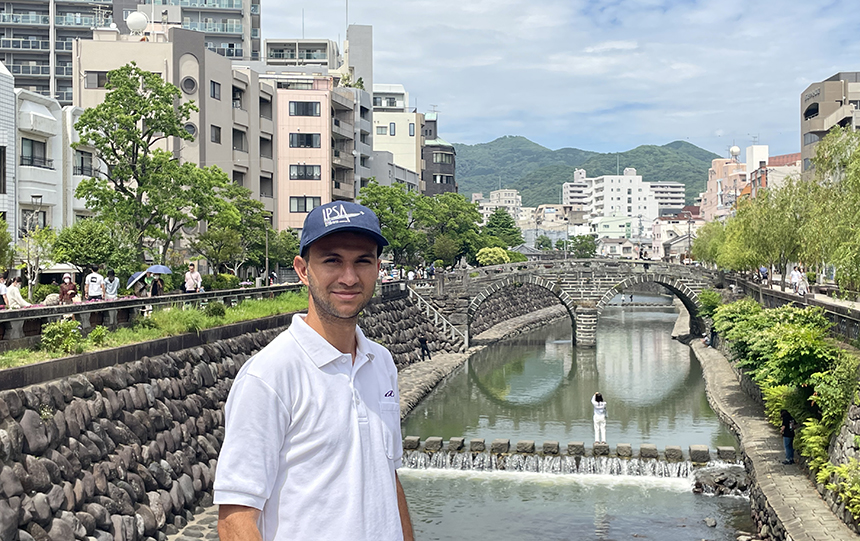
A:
(190, 268)
(340, 273)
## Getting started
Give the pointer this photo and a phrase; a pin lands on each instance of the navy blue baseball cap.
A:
(340, 216)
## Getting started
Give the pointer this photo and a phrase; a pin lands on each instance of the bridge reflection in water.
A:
(538, 387)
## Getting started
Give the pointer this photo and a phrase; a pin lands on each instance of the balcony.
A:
(228, 52)
(214, 28)
(64, 96)
(312, 55)
(29, 69)
(83, 170)
(255, 33)
(109, 2)
(342, 159)
(282, 55)
(235, 5)
(82, 22)
(64, 71)
(26, 19)
(342, 130)
(37, 161)
(255, 9)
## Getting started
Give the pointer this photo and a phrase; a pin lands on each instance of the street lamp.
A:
(32, 223)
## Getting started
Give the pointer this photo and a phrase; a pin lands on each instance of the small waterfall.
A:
(562, 465)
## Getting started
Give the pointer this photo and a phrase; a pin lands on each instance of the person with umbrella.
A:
(157, 288)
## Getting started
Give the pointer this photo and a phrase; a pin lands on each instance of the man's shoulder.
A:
(280, 354)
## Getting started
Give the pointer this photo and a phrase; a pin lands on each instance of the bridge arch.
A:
(688, 297)
(517, 281)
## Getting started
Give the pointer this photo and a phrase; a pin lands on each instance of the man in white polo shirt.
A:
(313, 420)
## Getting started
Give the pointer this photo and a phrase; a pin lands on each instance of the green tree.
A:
(445, 248)
(7, 246)
(34, 250)
(502, 225)
(543, 243)
(449, 215)
(492, 256)
(84, 243)
(143, 187)
(395, 207)
(708, 242)
(283, 248)
(561, 245)
(582, 246)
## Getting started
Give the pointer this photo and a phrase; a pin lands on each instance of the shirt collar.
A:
(319, 350)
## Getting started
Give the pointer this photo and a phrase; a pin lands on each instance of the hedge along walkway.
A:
(789, 492)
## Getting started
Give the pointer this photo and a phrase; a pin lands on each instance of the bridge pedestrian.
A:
(787, 431)
(599, 417)
(313, 420)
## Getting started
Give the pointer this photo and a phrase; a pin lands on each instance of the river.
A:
(538, 387)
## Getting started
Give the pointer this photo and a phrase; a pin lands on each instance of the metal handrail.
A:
(437, 316)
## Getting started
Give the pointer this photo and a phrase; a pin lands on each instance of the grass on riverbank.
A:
(171, 322)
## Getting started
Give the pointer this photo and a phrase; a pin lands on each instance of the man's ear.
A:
(301, 268)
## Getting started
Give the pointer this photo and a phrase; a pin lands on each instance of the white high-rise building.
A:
(508, 199)
(669, 196)
(612, 195)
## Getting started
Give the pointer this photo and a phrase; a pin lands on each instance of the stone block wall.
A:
(398, 324)
(122, 453)
(510, 303)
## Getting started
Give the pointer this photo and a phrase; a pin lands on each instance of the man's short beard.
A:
(325, 309)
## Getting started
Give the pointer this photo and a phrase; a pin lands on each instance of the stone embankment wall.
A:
(398, 323)
(122, 453)
(510, 303)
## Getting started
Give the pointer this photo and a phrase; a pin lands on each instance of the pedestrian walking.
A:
(599, 417)
(68, 290)
(313, 439)
(795, 279)
(787, 431)
(157, 288)
(94, 285)
(111, 286)
(422, 342)
(193, 280)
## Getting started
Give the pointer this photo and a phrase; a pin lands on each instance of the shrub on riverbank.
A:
(711, 300)
(798, 367)
(161, 324)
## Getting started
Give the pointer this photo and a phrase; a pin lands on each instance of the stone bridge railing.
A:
(583, 286)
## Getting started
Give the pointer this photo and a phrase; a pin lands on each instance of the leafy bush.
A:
(215, 309)
(835, 387)
(211, 282)
(439, 264)
(811, 277)
(727, 316)
(516, 257)
(98, 336)
(811, 442)
(492, 256)
(173, 322)
(63, 336)
(40, 292)
(846, 483)
(789, 354)
(710, 300)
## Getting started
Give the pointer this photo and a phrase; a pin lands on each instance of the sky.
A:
(605, 75)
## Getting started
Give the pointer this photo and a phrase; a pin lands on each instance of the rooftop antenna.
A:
(754, 139)
(434, 107)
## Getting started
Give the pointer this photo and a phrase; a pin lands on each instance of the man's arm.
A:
(239, 523)
(405, 520)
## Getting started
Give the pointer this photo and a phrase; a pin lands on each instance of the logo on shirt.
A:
(390, 394)
(338, 215)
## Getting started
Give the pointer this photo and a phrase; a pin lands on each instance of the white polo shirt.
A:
(313, 440)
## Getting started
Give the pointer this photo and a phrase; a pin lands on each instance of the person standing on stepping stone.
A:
(599, 417)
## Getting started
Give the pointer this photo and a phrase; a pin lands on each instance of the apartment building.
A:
(388, 173)
(667, 229)
(669, 196)
(727, 178)
(832, 102)
(323, 53)
(507, 199)
(611, 195)
(397, 128)
(577, 193)
(235, 126)
(8, 150)
(773, 172)
(37, 36)
(439, 157)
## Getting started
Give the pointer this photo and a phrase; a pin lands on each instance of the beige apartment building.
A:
(726, 180)
(508, 199)
(397, 128)
(234, 128)
(302, 52)
(834, 101)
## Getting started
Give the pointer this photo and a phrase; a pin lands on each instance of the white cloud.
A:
(599, 74)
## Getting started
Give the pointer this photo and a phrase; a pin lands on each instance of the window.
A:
(443, 179)
(31, 219)
(305, 172)
(215, 134)
(83, 163)
(391, 129)
(810, 138)
(265, 147)
(266, 187)
(126, 13)
(363, 162)
(214, 90)
(363, 138)
(95, 79)
(304, 140)
(443, 157)
(411, 129)
(265, 108)
(240, 141)
(3, 173)
(191, 129)
(377, 102)
(239, 178)
(304, 204)
(33, 154)
(189, 85)
(238, 98)
(304, 108)
(381, 130)
(390, 102)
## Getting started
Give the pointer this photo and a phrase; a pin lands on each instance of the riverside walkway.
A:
(789, 492)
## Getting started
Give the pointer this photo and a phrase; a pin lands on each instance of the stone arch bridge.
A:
(583, 286)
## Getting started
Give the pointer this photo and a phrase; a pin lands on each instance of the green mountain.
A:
(538, 172)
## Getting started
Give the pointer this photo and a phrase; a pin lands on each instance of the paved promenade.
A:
(795, 500)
